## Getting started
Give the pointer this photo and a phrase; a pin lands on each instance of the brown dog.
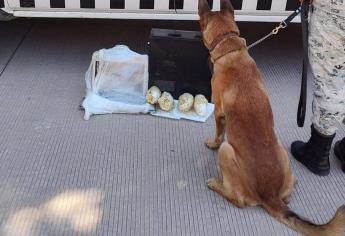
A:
(254, 166)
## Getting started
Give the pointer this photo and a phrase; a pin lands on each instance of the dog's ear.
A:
(225, 5)
(203, 7)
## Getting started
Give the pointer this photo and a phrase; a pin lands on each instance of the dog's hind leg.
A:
(217, 185)
(288, 189)
(289, 180)
(231, 185)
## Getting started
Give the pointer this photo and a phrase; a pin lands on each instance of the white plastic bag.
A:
(116, 82)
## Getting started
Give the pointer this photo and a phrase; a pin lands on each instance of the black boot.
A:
(315, 153)
(339, 151)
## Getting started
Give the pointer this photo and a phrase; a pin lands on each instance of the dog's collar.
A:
(221, 38)
(226, 46)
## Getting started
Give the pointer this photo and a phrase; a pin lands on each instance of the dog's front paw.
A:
(212, 144)
(213, 183)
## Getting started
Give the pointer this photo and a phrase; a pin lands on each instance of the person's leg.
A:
(336, 110)
(339, 151)
(327, 60)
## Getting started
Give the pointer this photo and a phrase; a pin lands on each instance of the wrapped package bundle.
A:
(166, 102)
(185, 102)
(200, 105)
(153, 94)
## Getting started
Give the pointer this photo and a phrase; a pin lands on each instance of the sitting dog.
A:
(254, 166)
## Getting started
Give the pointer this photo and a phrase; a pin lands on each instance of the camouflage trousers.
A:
(327, 60)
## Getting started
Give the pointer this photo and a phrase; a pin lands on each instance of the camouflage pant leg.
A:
(327, 60)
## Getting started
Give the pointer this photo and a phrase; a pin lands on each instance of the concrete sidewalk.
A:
(128, 174)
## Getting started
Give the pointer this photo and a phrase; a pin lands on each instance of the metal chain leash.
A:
(276, 30)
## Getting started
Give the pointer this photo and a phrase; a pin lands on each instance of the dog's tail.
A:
(280, 211)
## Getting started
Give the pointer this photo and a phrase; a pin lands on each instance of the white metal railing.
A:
(131, 9)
